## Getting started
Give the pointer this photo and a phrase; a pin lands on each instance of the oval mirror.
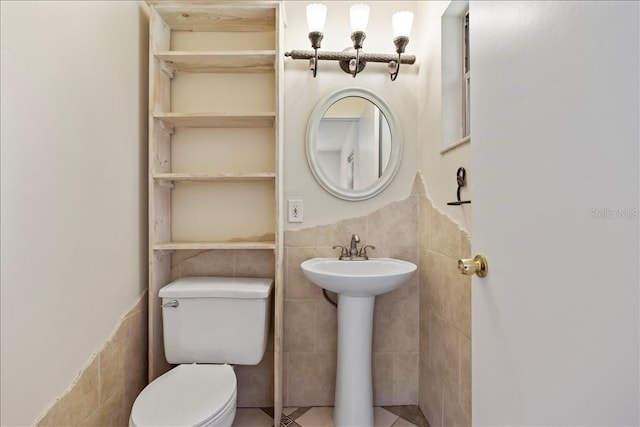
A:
(354, 144)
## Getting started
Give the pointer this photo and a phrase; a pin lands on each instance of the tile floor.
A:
(322, 416)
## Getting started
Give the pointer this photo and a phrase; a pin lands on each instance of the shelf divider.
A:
(216, 120)
(246, 61)
(177, 246)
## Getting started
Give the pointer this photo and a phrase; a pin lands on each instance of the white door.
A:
(555, 131)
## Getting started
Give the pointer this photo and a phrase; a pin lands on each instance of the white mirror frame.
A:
(395, 157)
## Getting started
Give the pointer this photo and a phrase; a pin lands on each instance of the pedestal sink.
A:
(357, 283)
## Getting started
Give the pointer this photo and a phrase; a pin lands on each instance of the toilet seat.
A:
(188, 395)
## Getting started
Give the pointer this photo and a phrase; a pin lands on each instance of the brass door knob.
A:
(477, 265)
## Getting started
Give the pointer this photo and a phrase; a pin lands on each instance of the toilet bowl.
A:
(188, 395)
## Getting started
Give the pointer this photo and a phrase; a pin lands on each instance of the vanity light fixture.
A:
(352, 60)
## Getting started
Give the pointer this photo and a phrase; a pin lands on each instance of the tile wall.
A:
(310, 326)
(105, 391)
(445, 318)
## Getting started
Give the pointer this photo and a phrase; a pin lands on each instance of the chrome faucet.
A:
(355, 239)
(353, 253)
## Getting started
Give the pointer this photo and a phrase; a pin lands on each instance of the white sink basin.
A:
(358, 278)
(357, 283)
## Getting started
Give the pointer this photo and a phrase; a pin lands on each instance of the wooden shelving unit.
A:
(195, 42)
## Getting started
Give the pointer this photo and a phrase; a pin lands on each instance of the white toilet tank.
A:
(216, 319)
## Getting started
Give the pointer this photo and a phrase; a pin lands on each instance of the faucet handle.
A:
(363, 250)
(343, 250)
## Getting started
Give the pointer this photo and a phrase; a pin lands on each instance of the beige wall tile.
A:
(405, 380)
(326, 327)
(407, 253)
(135, 358)
(395, 326)
(255, 383)
(299, 326)
(80, 402)
(457, 301)
(110, 413)
(312, 379)
(382, 367)
(297, 286)
(255, 264)
(305, 237)
(112, 375)
(453, 414)
(424, 221)
(423, 315)
(340, 232)
(465, 245)
(443, 235)
(435, 264)
(444, 351)
(285, 379)
(431, 395)
(180, 256)
(394, 225)
(423, 395)
(210, 263)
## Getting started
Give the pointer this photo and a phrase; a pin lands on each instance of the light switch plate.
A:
(295, 210)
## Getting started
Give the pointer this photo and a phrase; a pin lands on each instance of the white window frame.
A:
(455, 80)
(466, 71)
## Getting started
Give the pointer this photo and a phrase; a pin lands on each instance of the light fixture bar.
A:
(346, 56)
(353, 60)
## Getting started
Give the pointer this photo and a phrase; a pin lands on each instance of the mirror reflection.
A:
(353, 143)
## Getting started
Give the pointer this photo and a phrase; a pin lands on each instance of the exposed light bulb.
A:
(402, 22)
(359, 17)
(316, 17)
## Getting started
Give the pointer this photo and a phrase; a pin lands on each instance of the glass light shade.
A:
(316, 16)
(359, 16)
(402, 22)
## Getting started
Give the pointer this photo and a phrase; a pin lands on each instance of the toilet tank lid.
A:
(217, 287)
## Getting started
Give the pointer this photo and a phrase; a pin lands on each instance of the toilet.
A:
(209, 324)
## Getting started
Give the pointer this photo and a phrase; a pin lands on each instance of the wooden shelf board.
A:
(254, 61)
(180, 17)
(170, 246)
(219, 177)
(217, 120)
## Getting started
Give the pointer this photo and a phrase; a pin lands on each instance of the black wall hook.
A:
(461, 178)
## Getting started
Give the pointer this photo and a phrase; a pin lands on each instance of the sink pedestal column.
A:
(354, 389)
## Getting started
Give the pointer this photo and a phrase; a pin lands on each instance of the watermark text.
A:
(610, 214)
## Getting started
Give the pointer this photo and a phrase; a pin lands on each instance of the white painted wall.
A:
(302, 92)
(439, 169)
(73, 191)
